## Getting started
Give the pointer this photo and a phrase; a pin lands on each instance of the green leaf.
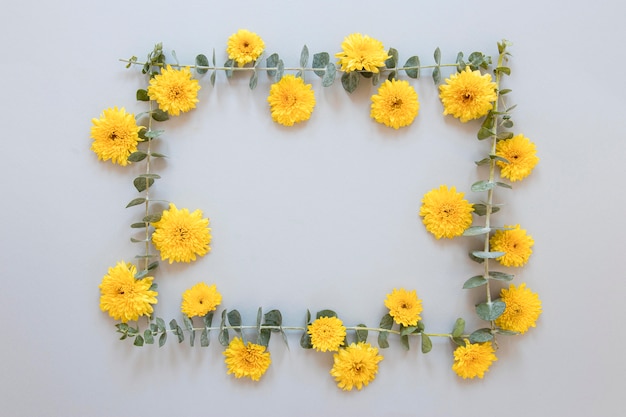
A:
(382, 340)
(160, 324)
(204, 338)
(138, 341)
(152, 218)
(305, 340)
(392, 76)
(506, 332)
(234, 319)
(151, 134)
(162, 339)
(153, 265)
(304, 56)
(475, 281)
(137, 156)
(487, 255)
(498, 158)
(159, 115)
(253, 80)
(230, 64)
(386, 322)
(483, 161)
(177, 330)
(504, 70)
(202, 61)
(504, 91)
(437, 56)
(157, 155)
(272, 62)
(223, 336)
(500, 276)
(404, 340)
(507, 124)
(459, 341)
(280, 69)
(437, 75)
(484, 133)
(412, 67)
(187, 323)
(408, 330)
(476, 231)
(427, 344)
(459, 327)
(321, 60)
(481, 336)
(483, 185)
(481, 209)
(503, 185)
(350, 81)
(273, 318)
(329, 75)
(491, 310)
(148, 337)
(141, 184)
(325, 313)
(141, 274)
(142, 95)
(136, 202)
(392, 61)
(361, 335)
(264, 337)
(504, 135)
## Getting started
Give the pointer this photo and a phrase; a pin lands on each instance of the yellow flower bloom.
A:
(124, 297)
(404, 306)
(327, 334)
(115, 135)
(515, 243)
(468, 95)
(473, 360)
(174, 90)
(291, 100)
(244, 46)
(521, 154)
(181, 235)
(445, 213)
(395, 105)
(200, 299)
(523, 308)
(361, 53)
(355, 365)
(249, 360)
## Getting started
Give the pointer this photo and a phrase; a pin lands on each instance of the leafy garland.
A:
(178, 235)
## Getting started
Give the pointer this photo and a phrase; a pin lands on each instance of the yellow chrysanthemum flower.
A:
(355, 365)
(523, 308)
(249, 360)
(115, 135)
(521, 154)
(404, 306)
(327, 334)
(200, 299)
(395, 105)
(291, 100)
(515, 243)
(361, 53)
(445, 212)
(174, 90)
(244, 46)
(473, 360)
(181, 235)
(124, 297)
(468, 95)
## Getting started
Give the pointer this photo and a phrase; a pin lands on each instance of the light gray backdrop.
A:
(322, 215)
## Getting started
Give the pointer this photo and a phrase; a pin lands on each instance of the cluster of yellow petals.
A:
(355, 365)
(404, 306)
(174, 90)
(115, 135)
(515, 243)
(327, 334)
(445, 212)
(180, 235)
(521, 155)
(246, 360)
(291, 100)
(200, 299)
(473, 359)
(361, 53)
(468, 95)
(124, 297)
(395, 105)
(244, 47)
(523, 308)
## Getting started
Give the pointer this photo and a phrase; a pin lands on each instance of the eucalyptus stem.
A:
(147, 191)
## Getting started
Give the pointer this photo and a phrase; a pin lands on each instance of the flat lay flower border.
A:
(472, 91)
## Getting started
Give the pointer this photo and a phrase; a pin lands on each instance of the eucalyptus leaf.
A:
(212, 79)
(361, 335)
(160, 324)
(234, 319)
(476, 231)
(483, 161)
(273, 318)
(427, 344)
(148, 337)
(153, 265)
(437, 56)
(152, 218)
(459, 341)
(137, 156)
(504, 91)
(271, 62)
(142, 184)
(483, 185)
(506, 332)
(142, 95)
(141, 274)
(305, 340)
(475, 281)
(481, 209)
(382, 340)
(157, 155)
(412, 67)
(504, 70)
(162, 339)
(138, 341)
(386, 322)
(321, 60)
(136, 202)
(304, 56)
(404, 340)
(503, 185)
(263, 338)
(484, 133)
(481, 336)
(223, 337)
(500, 276)
(459, 327)
(490, 311)
(504, 135)
(487, 255)
(159, 115)
(202, 61)
(392, 61)
(507, 124)
(350, 81)
(253, 80)
(437, 75)
(204, 338)
(229, 65)
(325, 313)
(329, 75)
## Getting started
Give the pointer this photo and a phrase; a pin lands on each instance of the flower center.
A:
(113, 135)
(397, 103)
(467, 96)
